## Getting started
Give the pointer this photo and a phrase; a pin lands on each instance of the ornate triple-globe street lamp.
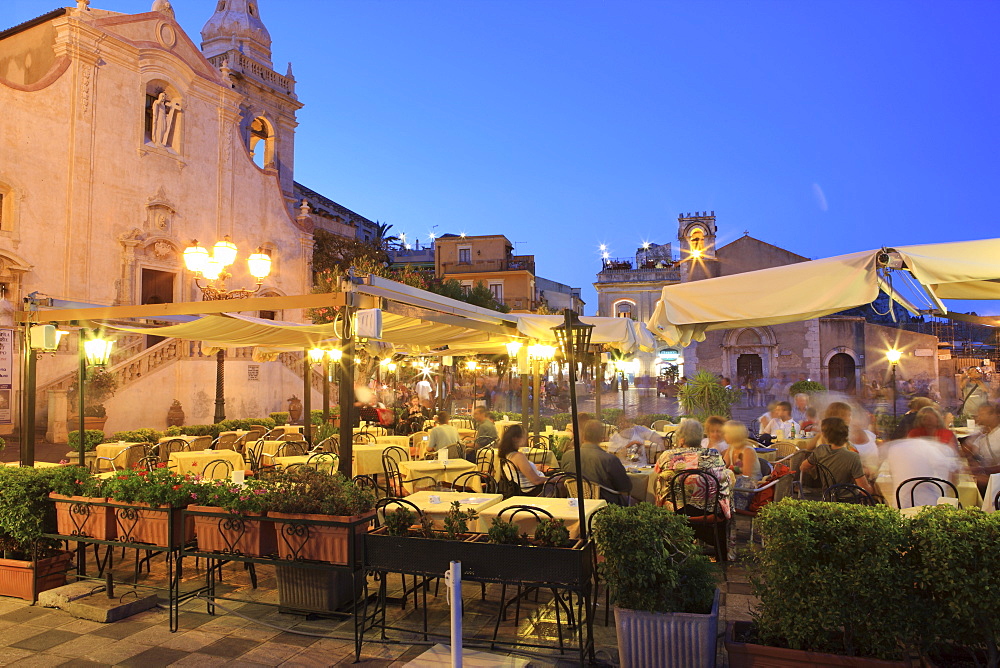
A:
(212, 268)
(574, 337)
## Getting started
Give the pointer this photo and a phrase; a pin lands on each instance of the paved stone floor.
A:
(254, 634)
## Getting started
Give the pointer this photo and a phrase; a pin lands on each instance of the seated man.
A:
(832, 462)
(598, 466)
(486, 433)
(781, 425)
(629, 444)
(984, 450)
(441, 435)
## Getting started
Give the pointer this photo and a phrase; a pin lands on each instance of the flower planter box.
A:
(667, 640)
(481, 561)
(318, 542)
(76, 517)
(233, 534)
(311, 590)
(23, 579)
(749, 655)
(139, 523)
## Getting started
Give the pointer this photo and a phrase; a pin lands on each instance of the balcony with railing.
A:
(629, 271)
(477, 266)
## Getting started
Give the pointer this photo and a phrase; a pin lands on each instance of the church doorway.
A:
(157, 288)
(843, 373)
(749, 369)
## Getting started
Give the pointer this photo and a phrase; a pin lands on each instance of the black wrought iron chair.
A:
(292, 449)
(395, 483)
(996, 501)
(329, 444)
(485, 460)
(709, 523)
(367, 482)
(848, 493)
(510, 482)
(466, 482)
(212, 469)
(388, 504)
(454, 450)
(362, 438)
(375, 430)
(173, 445)
(327, 462)
(939, 483)
(540, 441)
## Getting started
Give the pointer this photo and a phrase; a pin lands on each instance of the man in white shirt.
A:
(916, 458)
(782, 422)
(424, 392)
(986, 448)
(800, 407)
(631, 438)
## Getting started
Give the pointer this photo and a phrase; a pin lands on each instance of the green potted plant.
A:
(29, 563)
(99, 386)
(92, 438)
(704, 395)
(227, 518)
(805, 387)
(830, 561)
(149, 500)
(664, 590)
(74, 489)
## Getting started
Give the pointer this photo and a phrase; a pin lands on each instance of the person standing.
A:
(425, 392)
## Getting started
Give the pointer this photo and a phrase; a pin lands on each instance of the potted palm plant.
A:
(664, 590)
(705, 395)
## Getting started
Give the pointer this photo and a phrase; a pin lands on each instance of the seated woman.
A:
(690, 455)
(929, 423)
(740, 457)
(713, 434)
(413, 416)
(529, 478)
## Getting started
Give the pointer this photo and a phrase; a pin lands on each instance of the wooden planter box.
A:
(23, 579)
(233, 534)
(76, 517)
(481, 561)
(747, 655)
(319, 542)
(136, 524)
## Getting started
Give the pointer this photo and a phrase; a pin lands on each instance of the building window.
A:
(466, 287)
(465, 254)
(261, 143)
(497, 290)
(624, 310)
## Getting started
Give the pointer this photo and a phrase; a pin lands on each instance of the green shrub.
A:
(73, 481)
(703, 396)
(503, 532)
(25, 510)
(201, 430)
(561, 420)
(805, 387)
(173, 430)
(652, 561)
(552, 533)
(648, 420)
(955, 562)
(280, 418)
(399, 521)
(137, 436)
(611, 415)
(3, 444)
(91, 439)
(830, 578)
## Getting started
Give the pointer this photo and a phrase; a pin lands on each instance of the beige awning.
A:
(806, 290)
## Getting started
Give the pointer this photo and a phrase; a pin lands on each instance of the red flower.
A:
(161, 465)
(176, 487)
(143, 472)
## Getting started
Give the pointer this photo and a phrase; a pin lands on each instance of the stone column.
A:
(57, 431)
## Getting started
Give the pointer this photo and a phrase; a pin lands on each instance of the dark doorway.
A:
(157, 288)
(749, 367)
(843, 373)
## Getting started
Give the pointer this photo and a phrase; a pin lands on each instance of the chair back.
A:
(996, 501)
(937, 483)
(485, 460)
(366, 482)
(784, 448)
(824, 475)
(510, 481)
(225, 441)
(326, 462)
(374, 430)
(455, 451)
(363, 438)
(393, 477)
(686, 485)
(540, 441)
(418, 442)
(397, 453)
(609, 431)
(171, 446)
(330, 444)
(389, 504)
(765, 467)
(660, 425)
(465, 482)
(291, 449)
(535, 512)
(200, 443)
(147, 463)
(291, 436)
(257, 432)
(848, 493)
(217, 469)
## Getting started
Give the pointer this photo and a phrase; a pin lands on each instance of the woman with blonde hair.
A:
(740, 456)
(929, 423)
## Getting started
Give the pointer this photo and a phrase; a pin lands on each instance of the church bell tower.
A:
(236, 41)
(696, 233)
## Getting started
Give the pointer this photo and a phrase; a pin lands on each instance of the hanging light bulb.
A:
(195, 257)
(224, 252)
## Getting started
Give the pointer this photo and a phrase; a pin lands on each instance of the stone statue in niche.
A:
(164, 118)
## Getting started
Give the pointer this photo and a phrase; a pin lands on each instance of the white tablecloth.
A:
(968, 492)
(992, 487)
(642, 484)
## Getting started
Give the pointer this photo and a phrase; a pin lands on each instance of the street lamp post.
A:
(212, 268)
(324, 356)
(893, 356)
(94, 352)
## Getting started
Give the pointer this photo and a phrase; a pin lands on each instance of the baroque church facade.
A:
(845, 353)
(123, 142)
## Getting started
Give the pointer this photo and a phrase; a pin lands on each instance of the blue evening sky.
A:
(821, 127)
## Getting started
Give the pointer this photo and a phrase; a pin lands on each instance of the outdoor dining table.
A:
(325, 464)
(425, 501)
(560, 509)
(115, 452)
(441, 470)
(401, 441)
(767, 454)
(968, 492)
(643, 486)
(266, 448)
(38, 465)
(179, 437)
(368, 458)
(195, 462)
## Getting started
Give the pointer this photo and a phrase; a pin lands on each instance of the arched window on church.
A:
(748, 337)
(625, 309)
(696, 239)
(262, 143)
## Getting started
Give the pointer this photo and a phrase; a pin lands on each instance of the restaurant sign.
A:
(6, 374)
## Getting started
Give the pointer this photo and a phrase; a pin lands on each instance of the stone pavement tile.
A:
(80, 646)
(310, 658)
(738, 607)
(203, 660)
(17, 633)
(738, 588)
(190, 619)
(190, 641)
(243, 663)
(224, 623)
(271, 654)
(36, 616)
(11, 604)
(121, 630)
(37, 660)
(229, 647)
(154, 657)
(294, 639)
(80, 626)
(254, 632)
(155, 635)
(114, 652)
(81, 663)
(9, 656)
(366, 662)
(45, 640)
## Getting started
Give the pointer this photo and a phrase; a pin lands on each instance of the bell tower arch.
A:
(696, 233)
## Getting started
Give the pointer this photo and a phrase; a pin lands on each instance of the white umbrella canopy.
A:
(806, 290)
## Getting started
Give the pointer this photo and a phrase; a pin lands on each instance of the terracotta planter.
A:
(748, 655)
(313, 542)
(21, 579)
(234, 534)
(667, 640)
(78, 518)
(136, 525)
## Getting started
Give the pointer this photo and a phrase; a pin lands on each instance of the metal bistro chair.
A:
(820, 473)
(292, 449)
(323, 461)
(485, 458)
(538, 514)
(660, 424)
(510, 482)
(211, 470)
(375, 430)
(418, 442)
(996, 501)
(463, 422)
(394, 482)
(382, 506)
(129, 456)
(455, 451)
(848, 493)
(367, 482)
(200, 443)
(540, 442)
(464, 482)
(225, 442)
(710, 523)
(331, 444)
(939, 483)
(362, 438)
(171, 446)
